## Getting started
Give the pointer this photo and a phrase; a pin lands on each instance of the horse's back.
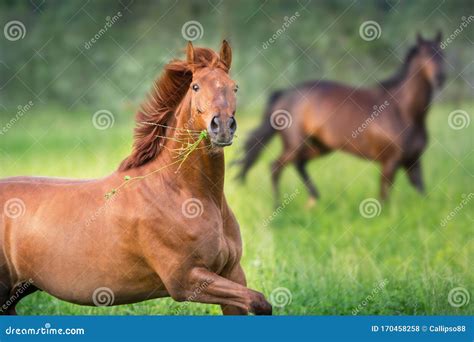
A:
(340, 116)
(28, 206)
(64, 231)
(43, 180)
(328, 101)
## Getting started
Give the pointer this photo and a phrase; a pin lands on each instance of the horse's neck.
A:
(413, 95)
(202, 172)
(205, 171)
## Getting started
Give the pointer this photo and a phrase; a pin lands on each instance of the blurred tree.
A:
(309, 40)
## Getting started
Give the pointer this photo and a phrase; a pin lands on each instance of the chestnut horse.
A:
(385, 123)
(166, 229)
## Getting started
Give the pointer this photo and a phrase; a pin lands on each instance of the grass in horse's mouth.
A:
(182, 154)
(190, 148)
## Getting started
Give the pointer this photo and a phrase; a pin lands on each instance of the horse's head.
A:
(429, 60)
(213, 99)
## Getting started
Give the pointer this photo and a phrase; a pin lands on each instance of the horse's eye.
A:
(236, 89)
(195, 87)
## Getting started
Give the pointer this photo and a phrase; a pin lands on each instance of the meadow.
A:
(328, 260)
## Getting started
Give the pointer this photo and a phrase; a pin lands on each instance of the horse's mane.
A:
(167, 93)
(403, 71)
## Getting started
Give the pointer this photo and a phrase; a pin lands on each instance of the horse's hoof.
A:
(311, 203)
(260, 306)
(264, 309)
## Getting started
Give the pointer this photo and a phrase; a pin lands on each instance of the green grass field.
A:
(330, 259)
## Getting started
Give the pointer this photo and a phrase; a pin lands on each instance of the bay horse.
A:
(166, 229)
(385, 123)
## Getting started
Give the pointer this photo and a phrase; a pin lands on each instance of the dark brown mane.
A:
(402, 72)
(168, 91)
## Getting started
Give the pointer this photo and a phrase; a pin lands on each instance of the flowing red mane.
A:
(167, 93)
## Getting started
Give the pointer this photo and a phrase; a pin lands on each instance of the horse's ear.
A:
(190, 53)
(439, 36)
(226, 53)
(419, 38)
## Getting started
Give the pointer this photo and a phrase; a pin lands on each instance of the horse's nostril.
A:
(232, 125)
(215, 125)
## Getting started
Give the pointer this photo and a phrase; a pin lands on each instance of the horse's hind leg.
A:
(389, 168)
(277, 168)
(313, 191)
(8, 304)
(5, 286)
(4, 296)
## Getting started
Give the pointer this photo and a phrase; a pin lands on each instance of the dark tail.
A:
(258, 138)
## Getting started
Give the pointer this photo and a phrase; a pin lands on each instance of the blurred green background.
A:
(331, 260)
(52, 65)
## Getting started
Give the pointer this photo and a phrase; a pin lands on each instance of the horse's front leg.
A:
(201, 285)
(237, 275)
(415, 176)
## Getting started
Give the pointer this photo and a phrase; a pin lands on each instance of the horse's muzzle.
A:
(221, 130)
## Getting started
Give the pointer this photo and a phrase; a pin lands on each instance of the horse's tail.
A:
(258, 138)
